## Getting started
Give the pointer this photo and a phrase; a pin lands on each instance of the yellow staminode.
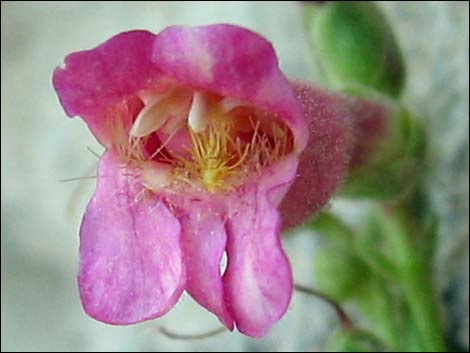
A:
(220, 161)
(214, 156)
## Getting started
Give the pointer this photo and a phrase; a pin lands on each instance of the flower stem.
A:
(345, 320)
(191, 336)
(423, 307)
(417, 284)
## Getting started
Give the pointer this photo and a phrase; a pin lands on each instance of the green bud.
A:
(353, 45)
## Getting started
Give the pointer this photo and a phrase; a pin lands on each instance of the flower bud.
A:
(388, 150)
(353, 45)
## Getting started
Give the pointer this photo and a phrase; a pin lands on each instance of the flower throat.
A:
(199, 141)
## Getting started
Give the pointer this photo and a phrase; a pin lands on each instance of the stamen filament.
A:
(219, 157)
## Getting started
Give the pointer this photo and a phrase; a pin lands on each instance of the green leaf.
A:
(339, 273)
(331, 226)
(356, 341)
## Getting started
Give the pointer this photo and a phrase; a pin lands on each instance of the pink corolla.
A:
(203, 135)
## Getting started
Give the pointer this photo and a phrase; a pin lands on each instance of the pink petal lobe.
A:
(131, 266)
(204, 241)
(93, 81)
(258, 280)
(324, 162)
(233, 62)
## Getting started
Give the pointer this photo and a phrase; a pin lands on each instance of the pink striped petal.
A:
(204, 241)
(131, 266)
(258, 280)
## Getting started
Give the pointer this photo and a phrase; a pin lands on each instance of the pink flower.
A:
(203, 135)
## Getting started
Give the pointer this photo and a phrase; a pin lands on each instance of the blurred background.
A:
(40, 216)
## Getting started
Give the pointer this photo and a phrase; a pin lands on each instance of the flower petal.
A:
(204, 240)
(258, 280)
(324, 162)
(233, 62)
(92, 81)
(131, 266)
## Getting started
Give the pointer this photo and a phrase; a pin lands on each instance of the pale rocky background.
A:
(40, 308)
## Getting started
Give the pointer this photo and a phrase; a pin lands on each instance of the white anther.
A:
(147, 96)
(198, 117)
(227, 104)
(150, 119)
